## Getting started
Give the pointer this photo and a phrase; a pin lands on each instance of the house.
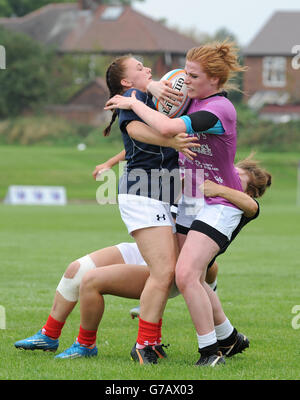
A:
(92, 27)
(273, 59)
(86, 106)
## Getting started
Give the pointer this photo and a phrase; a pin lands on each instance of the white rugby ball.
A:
(177, 77)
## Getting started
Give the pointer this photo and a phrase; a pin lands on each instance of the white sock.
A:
(207, 340)
(224, 330)
(213, 285)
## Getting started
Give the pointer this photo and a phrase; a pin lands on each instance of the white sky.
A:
(243, 18)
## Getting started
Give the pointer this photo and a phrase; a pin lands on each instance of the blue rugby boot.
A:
(39, 341)
(78, 350)
(135, 312)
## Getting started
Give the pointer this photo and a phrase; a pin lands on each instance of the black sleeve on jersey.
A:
(203, 120)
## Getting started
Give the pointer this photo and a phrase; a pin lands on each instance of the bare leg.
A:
(211, 274)
(118, 280)
(218, 313)
(158, 247)
(61, 307)
(191, 267)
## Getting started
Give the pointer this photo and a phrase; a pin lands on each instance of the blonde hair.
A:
(259, 178)
(218, 60)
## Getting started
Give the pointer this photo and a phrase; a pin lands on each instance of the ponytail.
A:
(114, 74)
(107, 130)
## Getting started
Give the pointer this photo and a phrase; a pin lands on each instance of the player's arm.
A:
(144, 133)
(109, 163)
(200, 121)
(163, 91)
(164, 125)
(240, 199)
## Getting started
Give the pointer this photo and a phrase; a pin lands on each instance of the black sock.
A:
(230, 340)
(209, 350)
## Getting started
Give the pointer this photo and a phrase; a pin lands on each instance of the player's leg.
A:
(211, 275)
(118, 280)
(66, 297)
(67, 293)
(158, 247)
(194, 257)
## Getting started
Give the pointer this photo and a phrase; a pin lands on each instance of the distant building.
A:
(274, 72)
(90, 27)
(86, 106)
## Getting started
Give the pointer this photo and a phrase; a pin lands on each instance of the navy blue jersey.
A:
(146, 159)
(139, 154)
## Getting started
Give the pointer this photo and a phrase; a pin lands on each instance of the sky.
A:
(243, 18)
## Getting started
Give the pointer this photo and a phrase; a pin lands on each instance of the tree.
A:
(19, 8)
(26, 81)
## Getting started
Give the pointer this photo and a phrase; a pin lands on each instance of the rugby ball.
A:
(177, 77)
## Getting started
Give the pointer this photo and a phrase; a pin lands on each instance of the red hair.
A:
(218, 60)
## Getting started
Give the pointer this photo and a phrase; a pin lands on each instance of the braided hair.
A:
(114, 74)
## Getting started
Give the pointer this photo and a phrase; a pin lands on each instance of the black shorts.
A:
(199, 226)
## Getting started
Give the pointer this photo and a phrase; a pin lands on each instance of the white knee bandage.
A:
(69, 287)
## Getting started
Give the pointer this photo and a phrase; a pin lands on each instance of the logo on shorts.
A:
(159, 217)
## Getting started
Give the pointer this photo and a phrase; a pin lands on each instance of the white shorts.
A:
(139, 212)
(131, 255)
(187, 210)
(223, 219)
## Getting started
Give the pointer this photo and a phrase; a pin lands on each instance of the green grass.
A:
(258, 279)
(37, 165)
(53, 166)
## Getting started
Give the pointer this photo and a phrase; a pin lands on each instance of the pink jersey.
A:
(217, 152)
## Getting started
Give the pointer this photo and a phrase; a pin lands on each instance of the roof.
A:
(277, 37)
(109, 29)
(98, 82)
(49, 24)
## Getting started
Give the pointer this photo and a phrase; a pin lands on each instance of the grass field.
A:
(258, 279)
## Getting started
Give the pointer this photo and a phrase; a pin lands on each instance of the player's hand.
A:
(184, 142)
(99, 169)
(163, 91)
(118, 101)
(210, 188)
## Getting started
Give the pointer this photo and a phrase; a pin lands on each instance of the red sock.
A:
(52, 328)
(85, 337)
(147, 333)
(158, 340)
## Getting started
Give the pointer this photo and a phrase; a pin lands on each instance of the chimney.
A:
(89, 4)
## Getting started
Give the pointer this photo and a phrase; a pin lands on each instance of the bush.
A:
(266, 135)
(49, 131)
(40, 130)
